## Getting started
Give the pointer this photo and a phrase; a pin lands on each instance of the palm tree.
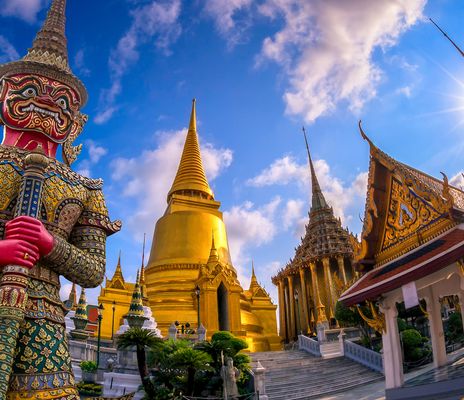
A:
(141, 339)
(191, 361)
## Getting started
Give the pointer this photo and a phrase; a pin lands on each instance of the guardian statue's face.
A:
(33, 103)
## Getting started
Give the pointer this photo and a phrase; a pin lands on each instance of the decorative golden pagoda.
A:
(116, 298)
(308, 283)
(190, 249)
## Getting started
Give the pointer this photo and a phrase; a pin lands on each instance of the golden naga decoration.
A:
(461, 266)
(70, 152)
(377, 322)
(424, 311)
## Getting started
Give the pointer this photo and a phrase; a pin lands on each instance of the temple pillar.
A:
(436, 328)
(341, 268)
(292, 333)
(283, 323)
(329, 287)
(318, 306)
(392, 351)
(304, 303)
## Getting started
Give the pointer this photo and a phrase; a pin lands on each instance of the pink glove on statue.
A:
(30, 230)
(18, 252)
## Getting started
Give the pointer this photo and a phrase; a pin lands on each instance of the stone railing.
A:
(360, 354)
(309, 345)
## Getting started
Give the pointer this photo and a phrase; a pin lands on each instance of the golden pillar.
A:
(329, 286)
(282, 317)
(304, 302)
(292, 333)
(341, 268)
(318, 306)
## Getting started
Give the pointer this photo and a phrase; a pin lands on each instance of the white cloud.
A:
(148, 177)
(326, 48)
(282, 171)
(249, 227)
(155, 22)
(79, 63)
(294, 216)
(95, 153)
(231, 17)
(7, 51)
(26, 10)
(405, 91)
(458, 180)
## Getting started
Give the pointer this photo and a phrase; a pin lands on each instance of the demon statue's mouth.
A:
(38, 104)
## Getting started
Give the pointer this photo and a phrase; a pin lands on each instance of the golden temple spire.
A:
(213, 254)
(190, 179)
(118, 272)
(318, 199)
(254, 281)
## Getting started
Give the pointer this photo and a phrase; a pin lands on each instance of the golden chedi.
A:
(190, 250)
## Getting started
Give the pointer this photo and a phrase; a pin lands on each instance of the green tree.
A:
(346, 316)
(141, 339)
(190, 361)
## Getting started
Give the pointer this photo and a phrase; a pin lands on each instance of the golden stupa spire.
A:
(190, 179)
(118, 272)
(213, 254)
(254, 281)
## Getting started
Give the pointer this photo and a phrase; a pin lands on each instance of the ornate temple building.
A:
(309, 284)
(190, 254)
(412, 248)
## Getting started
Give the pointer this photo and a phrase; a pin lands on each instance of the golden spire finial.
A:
(213, 254)
(118, 271)
(191, 179)
(254, 281)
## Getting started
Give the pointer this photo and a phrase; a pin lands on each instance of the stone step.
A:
(297, 375)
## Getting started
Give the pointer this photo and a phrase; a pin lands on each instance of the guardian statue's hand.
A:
(18, 252)
(30, 230)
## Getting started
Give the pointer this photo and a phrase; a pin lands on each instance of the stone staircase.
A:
(296, 375)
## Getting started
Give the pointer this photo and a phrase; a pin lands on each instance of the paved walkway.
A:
(376, 390)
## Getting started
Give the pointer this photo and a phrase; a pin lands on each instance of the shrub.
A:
(88, 366)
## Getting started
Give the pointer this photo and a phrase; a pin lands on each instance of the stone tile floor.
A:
(376, 390)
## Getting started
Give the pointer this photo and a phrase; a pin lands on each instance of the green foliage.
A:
(414, 345)
(88, 366)
(179, 367)
(346, 316)
(454, 331)
(89, 389)
(139, 338)
(403, 325)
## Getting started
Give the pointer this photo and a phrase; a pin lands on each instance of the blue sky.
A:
(259, 69)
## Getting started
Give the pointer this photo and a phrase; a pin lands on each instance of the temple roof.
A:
(404, 208)
(190, 179)
(325, 236)
(418, 263)
(117, 281)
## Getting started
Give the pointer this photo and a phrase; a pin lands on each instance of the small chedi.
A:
(323, 263)
(56, 219)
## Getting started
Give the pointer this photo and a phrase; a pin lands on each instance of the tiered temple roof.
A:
(324, 237)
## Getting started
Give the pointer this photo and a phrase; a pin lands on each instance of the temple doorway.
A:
(223, 308)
